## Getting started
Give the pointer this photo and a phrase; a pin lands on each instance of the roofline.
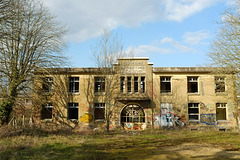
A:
(183, 69)
(134, 58)
(66, 70)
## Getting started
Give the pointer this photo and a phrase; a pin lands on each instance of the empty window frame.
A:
(129, 84)
(99, 84)
(133, 114)
(99, 111)
(47, 84)
(192, 84)
(73, 84)
(142, 85)
(73, 111)
(122, 85)
(47, 111)
(221, 113)
(135, 84)
(165, 84)
(193, 111)
(219, 84)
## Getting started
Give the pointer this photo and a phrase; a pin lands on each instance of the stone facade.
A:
(136, 96)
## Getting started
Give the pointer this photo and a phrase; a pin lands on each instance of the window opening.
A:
(221, 111)
(192, 84)
(135, 84)
(47, 111)
(73, 84)
(165, 84)
(122, 87)
(143, 84)
(73, 111)
(193, 111)
(99, 84)
(129, 84)
(219, 84)
(47, 84)
(132, 114)
(99, 111)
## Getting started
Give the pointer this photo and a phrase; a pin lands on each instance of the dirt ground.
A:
(195, 151)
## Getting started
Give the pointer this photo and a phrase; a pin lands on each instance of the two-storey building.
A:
(137, 96)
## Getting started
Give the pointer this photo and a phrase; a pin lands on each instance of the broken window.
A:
(221, 111)
(132, 113)
(73, 84)
(47, 111)
(192, 84)
(129, 84)
(99, 84)
(122, 87)
(165, 84)
(135, 84)
(47, 84)
(143, 84)
(193, 111)
(99, 111)
(219, 84)
(73, 111)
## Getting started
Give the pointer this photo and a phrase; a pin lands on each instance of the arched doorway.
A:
(133, 117)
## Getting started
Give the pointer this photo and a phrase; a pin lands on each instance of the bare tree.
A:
(50, 87)
(105, 54)
(31, 38)
(225, 50)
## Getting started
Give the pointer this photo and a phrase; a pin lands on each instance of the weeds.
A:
(38, 144)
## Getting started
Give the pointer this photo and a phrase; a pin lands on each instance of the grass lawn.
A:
(150, 144)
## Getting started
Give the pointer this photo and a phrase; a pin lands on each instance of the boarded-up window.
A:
(99, 111)
(73, 111)
(47, 111)
(165, 84)
(192, 84)
(193, 111)
(221, 111)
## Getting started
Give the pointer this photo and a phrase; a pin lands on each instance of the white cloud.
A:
(189, 44)
(87, 18)
(166, 45)
(147, 49)
(197, 37)
(176, 45)
(177, 10)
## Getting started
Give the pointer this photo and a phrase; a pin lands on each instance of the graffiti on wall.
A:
(129, 125)
(167, 120)
(135, 126)
(209, 119)
(87, 118)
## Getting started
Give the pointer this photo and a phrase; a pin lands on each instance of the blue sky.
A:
(172, 33)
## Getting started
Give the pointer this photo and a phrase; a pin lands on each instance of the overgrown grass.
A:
(115, 145)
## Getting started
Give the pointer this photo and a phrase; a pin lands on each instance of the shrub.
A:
(5, 110)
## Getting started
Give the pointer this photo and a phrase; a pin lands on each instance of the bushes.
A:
(5, 110)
